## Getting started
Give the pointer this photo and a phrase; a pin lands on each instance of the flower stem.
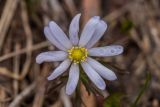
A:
(143, 89)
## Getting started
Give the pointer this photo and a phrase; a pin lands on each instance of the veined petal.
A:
(100, 29)
(52, 39)
(93, 75)
(88, 31)
(106, 51)
(101, 69)
(60, 35)
(73, 79)
(74, 29)
(51, 56)
(60, 69)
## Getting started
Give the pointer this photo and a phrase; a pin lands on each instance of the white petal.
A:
(74, 29)
(102, 70)
(73, 79)
(60, 69)
(60, 35)
(52, 39)
(88, 31)
(106, 51)
(94, 76)
(51, 56)
(100, 29)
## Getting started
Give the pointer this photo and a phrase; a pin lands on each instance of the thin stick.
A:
(65, 98)
(70, 6)
(28, 33)
(6, 18)
(16, 69)
(2, 97)
(6, 72)
(119, 12)
(22, 51)
(57, 10)
(26, 92)
(41, 87)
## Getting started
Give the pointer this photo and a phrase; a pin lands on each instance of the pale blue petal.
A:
(100, 29)
(88, 31)
(93, 76)
(101, 69)
(74, 29)
(106, 51)
(60, 35)
(51, 56)
(73, 79)
(60, 69)
(52, 39)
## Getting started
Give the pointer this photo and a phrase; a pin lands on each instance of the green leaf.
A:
(126, 26)
(114, 100)
(86, 84)
(143, 89)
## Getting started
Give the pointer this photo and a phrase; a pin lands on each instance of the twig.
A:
(2, 97)
(88, 100)
(45, 9)
(139, 64)
(65, 98)
(6, 72)
(57, 10)
(119, 12)
(40, 88)
(70, 6)
(26, 92)
(154, 31)
(16, 69)
(6, 18)
(28, 33)
(22, 51)
(90, 8)
(57, 104)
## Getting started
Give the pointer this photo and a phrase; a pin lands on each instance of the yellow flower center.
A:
(77, 54)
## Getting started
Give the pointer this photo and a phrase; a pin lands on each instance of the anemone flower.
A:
(77, 51)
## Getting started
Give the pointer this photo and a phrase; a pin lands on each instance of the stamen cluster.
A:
(77, 54)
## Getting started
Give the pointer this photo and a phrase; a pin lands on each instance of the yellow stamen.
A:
(77, 54)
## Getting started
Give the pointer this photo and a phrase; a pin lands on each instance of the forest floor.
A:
(134, 24)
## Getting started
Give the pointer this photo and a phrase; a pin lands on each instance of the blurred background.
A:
(134, 24)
